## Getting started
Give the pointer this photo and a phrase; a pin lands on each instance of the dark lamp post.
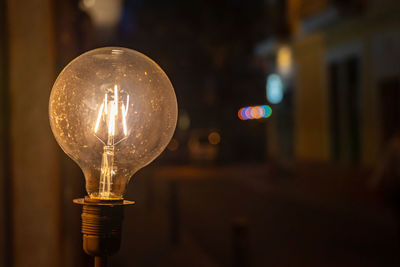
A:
(101, 227)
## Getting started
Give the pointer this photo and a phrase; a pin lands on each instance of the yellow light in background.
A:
(103, 13)
(184, 121)
(214, 138)
(173, 145)
(88, 3)
(284, 60)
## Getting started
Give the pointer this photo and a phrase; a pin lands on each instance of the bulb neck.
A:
(107, 172)
(101, 225)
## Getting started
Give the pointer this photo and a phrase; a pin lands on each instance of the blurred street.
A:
(256, 133)
(292, 219)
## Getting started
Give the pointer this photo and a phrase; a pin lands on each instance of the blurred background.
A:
(286, 151)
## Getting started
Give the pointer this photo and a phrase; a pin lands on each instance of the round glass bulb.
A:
(113, 111)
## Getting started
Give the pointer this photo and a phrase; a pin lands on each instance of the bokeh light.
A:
(173, 145)
(214, 138)
(183, 121)
(284, 60)
(104, 13)
(255, 112)
(274, 88)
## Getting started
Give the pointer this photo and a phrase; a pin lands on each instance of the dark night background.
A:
(317, 183)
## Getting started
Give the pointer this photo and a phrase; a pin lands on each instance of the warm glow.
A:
(173, 145)
(103, 13)
(108, 113)
(284, 60)
(184, 121)
(214, 138)
(124, 119)
(114, 119)
(99, 117)
(105, 104)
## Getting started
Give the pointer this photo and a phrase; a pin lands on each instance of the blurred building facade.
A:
(343, 80)
(30, 179)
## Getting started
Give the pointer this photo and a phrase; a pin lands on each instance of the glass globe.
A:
(113, 111)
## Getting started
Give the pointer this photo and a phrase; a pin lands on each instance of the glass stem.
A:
(107, 171)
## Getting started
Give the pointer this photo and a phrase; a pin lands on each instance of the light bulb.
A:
(113, 111)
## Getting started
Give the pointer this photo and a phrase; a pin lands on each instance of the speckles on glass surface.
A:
(112, 110)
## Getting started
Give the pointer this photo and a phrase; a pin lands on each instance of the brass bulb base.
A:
(101, 225)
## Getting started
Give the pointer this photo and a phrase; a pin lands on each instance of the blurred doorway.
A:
(389, 90)
(344, 104)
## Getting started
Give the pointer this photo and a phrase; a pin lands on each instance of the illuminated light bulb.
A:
(113, 111)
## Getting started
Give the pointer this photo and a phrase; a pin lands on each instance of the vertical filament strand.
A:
(98, 118)
(124, 119)
(108, 113)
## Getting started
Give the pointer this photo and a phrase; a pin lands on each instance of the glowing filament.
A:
(111, 122)
(108, 114)
(127, 104)
(98, 118)
(124, 119)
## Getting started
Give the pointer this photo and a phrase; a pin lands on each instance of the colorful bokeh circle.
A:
(255, 112)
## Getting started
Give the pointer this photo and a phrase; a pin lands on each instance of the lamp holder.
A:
(101, 226)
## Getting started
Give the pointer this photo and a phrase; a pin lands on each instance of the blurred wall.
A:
(310, 100)
(298, 9)
(4, 144)
(361, 37)
(36, 190)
